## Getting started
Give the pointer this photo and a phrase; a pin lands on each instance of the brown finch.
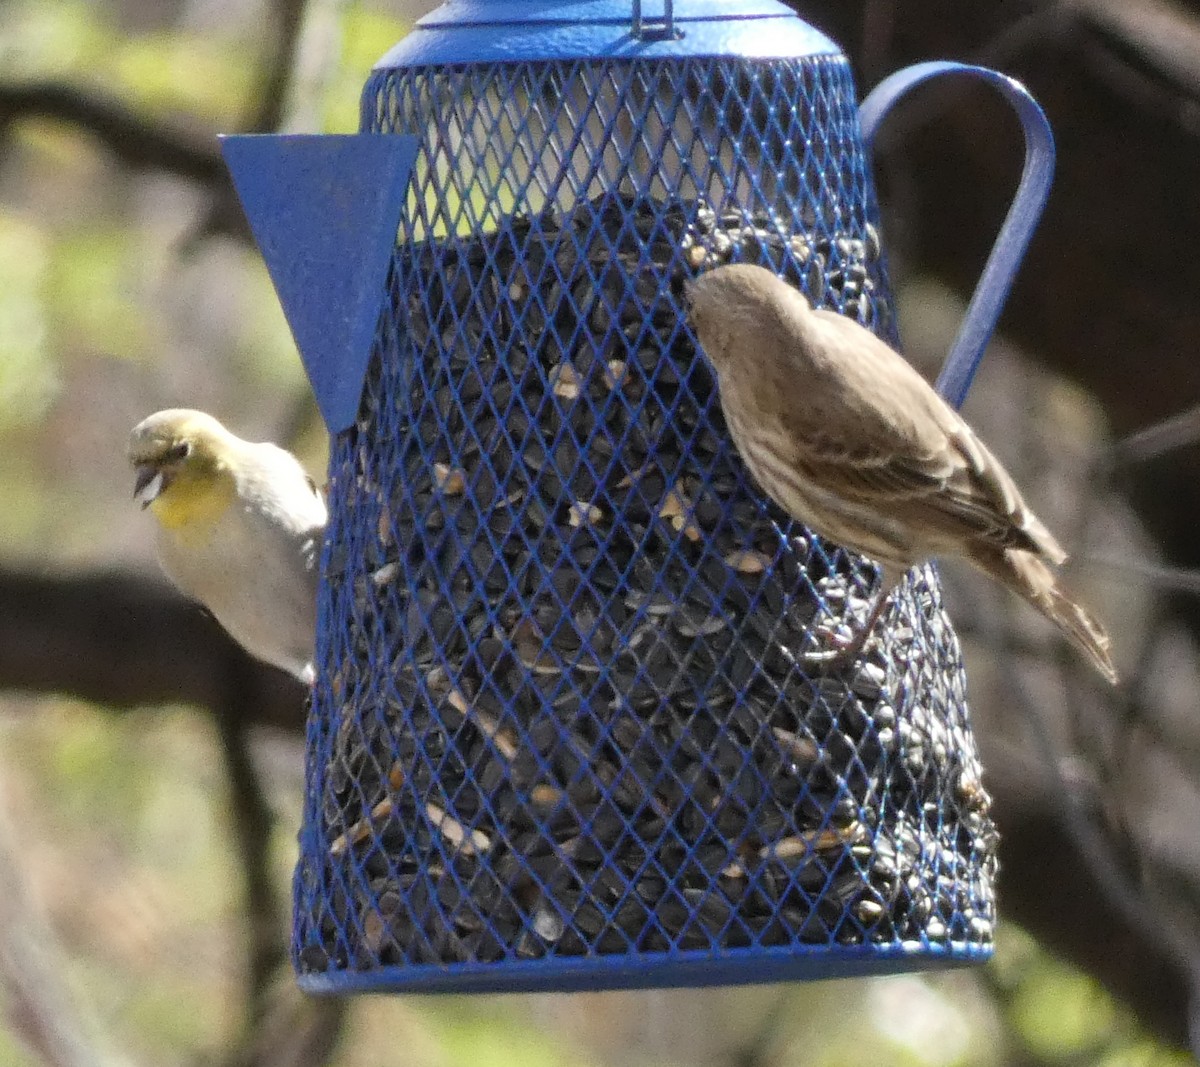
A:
(845, 436)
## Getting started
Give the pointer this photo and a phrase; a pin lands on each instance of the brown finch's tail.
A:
(1026, 574)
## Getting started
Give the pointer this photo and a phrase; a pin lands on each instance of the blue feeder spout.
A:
(573, 725)
(327, 244)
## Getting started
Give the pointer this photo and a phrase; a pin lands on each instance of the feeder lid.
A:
(494, 31)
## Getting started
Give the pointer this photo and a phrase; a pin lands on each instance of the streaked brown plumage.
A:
(842, 433)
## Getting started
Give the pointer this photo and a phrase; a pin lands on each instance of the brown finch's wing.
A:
(885, 439)
(938, 494)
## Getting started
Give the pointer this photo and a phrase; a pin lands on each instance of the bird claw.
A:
(839, 647)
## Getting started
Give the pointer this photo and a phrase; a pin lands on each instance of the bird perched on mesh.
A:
(239, 530)
(843, 434)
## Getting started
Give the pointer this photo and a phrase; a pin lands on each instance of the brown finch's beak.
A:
(148, 484)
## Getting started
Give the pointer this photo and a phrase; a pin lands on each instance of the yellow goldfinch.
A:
(239, 530)
(844, 435)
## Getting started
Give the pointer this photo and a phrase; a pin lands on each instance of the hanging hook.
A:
(654, 28)
(1022, 219)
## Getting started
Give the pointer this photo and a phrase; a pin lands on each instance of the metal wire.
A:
(572, 727)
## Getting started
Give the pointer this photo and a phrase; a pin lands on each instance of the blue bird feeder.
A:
(574, 724)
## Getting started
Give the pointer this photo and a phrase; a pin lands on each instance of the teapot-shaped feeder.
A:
(569, 728)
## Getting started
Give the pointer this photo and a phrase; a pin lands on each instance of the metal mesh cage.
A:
(570, 726)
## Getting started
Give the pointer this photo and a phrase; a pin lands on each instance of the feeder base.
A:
(680, 972)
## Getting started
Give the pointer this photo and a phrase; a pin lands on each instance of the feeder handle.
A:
(1022, 219)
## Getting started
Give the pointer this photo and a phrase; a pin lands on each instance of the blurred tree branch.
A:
(296, 1031)
(265, 115)
(135, 140)
(251, 831)
(278, 67)
(1049, 886)
(37, 1003)
(126, 641)
(1109, 294)
(760, 1047)
(193, 661)
(146, 144)
(122, 641)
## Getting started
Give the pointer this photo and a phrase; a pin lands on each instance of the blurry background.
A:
(150, 777)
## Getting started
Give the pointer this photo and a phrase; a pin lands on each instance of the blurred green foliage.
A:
(92, 282)
(199, 74)
(124, 825)
(366, 34)
(122, 820)
(28, 373)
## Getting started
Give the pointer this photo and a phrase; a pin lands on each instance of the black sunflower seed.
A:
(573, 704)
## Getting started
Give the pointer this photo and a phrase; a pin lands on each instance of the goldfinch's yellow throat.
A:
(179, 474)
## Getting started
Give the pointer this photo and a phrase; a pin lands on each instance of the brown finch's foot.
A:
(840, 647)
(842, 644)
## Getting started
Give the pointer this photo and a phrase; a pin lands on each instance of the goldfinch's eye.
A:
(180, 451)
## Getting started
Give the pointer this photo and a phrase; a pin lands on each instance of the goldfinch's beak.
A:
(148, 485)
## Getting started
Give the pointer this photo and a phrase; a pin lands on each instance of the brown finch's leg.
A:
(846, 651)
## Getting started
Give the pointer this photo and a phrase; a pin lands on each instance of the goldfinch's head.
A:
(180, 456)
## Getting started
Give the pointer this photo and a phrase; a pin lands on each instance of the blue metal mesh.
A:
(570, 729)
